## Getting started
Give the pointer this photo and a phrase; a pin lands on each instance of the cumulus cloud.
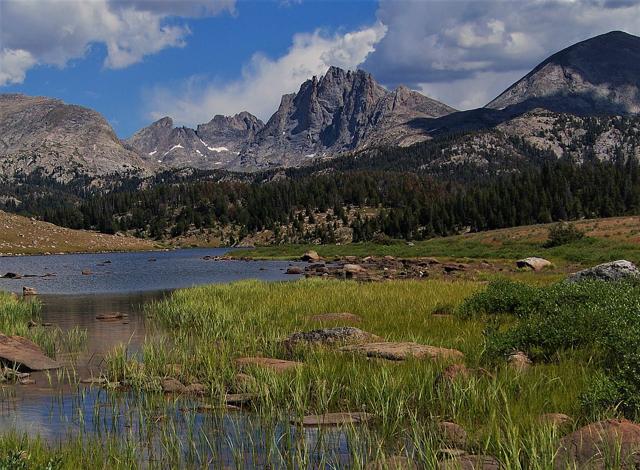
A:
(264, 80)
(470, 50)
(53, 32)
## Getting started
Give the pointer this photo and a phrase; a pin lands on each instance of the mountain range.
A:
(337, 113)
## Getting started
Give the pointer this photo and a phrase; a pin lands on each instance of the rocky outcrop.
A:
(598, 76)
(613, 271)
(49, 137)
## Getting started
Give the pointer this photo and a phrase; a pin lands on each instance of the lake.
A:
(57, 408)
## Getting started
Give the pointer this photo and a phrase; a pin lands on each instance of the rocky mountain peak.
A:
(59, 140)
(163, 123)
(598, 76)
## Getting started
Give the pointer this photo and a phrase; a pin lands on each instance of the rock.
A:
(110, 316)
(195, 389)
(294, 270)
(334, 419)
(535, 263)
(454, 372)
(239, 399)
(26, 381)
(86, 272)
(352, 268)
(402, 351)
(336, 317)
(16, 350)
(555, 419)
(276, 365)
(29, 291)
(12, 276)
(448, 453)
(613, 271)
(244, 383)
(470, 462)
(170, 385)
(453, 435)
(311, 256)
(331, 336)
(450, 268)
(593, 445)
(392, 463)
(519, 361)
(94, 381)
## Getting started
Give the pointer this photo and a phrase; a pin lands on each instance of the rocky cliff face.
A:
(598, 76)
(340, 111)
(215, 144)
(47, 136)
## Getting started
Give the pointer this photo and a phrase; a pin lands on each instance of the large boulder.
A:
(295, 270)
(16, 351)
(534, 263)
(403, 351)
(311, 256)
(601, 445)
(613, 271)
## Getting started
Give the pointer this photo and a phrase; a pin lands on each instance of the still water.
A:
(57, 408)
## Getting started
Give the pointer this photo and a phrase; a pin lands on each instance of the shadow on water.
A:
(163, 429)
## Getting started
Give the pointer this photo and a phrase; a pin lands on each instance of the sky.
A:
(136, 61)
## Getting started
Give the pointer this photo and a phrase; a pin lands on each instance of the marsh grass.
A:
(212, 326)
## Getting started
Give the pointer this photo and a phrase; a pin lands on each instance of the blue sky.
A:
(138, 60)
(217, 47)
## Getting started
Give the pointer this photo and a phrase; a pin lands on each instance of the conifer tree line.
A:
(407, 205)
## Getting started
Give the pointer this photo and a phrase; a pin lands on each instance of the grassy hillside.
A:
(21, 235)
(605, 240)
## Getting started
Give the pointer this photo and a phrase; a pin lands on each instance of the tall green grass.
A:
(209, 327)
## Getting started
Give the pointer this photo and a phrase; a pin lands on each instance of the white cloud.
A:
(264, 80)
(53, 32)
(471, 50)
(14, 64)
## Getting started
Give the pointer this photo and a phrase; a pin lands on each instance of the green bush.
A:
(563, 233)
(598, 319)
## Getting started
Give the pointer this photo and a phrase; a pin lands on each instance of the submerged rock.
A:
(334, 419)
(613, 271)
(171, 385)
(392, 463)
(295, 270)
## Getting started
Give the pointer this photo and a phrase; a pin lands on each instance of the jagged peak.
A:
(163, 122)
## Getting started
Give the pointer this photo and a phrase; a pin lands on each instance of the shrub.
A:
(599, 319)
(563, 233)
